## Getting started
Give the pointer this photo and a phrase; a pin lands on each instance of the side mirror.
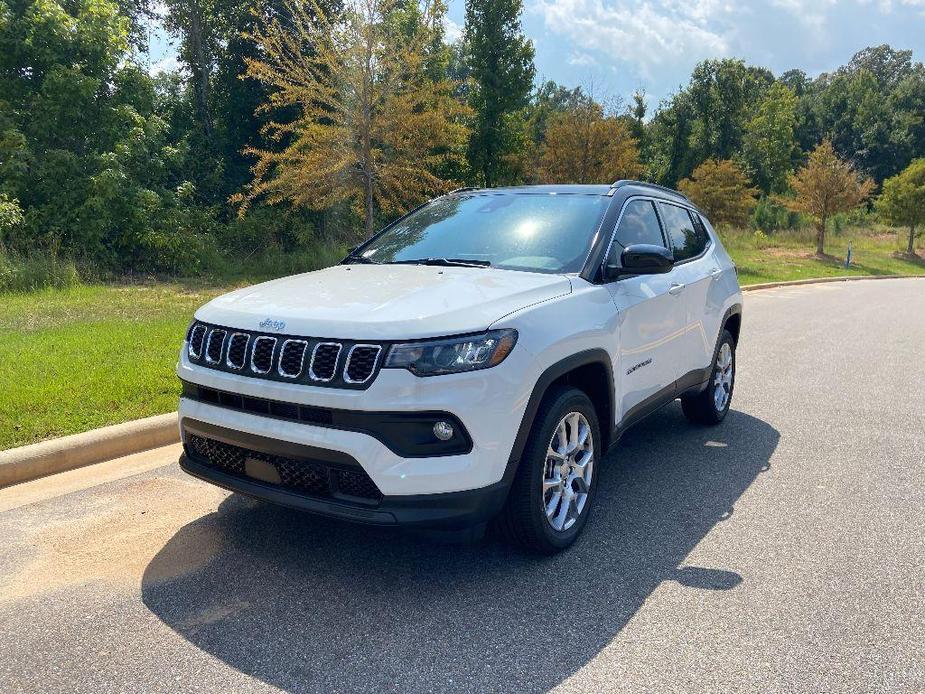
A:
(641, 259)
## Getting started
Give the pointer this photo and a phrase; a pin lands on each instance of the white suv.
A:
(472, 361)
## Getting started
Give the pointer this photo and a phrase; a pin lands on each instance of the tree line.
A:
(293, 123)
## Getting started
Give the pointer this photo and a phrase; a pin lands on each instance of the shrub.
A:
(38, 270)
(770, 216)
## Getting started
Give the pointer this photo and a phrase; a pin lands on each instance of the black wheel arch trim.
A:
(546, 379)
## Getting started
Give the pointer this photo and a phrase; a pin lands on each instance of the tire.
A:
(708, 407)
(524, 518)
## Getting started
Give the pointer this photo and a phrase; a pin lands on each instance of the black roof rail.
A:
(462, 190)
(645, 184)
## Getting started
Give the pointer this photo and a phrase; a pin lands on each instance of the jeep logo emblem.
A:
(270, 324)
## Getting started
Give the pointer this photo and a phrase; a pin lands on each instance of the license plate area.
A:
(262, 470)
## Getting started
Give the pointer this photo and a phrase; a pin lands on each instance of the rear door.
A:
(693, 271)
(651, 320)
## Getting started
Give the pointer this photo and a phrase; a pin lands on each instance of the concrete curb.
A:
(823, 280)
(69, 452)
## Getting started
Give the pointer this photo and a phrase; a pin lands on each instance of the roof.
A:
(580, 189)
(570, 189)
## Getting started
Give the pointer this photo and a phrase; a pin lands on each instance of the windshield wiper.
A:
(445, 262)
(352, 258)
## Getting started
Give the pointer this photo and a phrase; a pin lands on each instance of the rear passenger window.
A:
(688, 240)
(639, 224)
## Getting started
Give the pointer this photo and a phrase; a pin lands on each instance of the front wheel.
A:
(553, 490)
(711, 405)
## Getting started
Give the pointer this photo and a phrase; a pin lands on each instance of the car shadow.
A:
(304, 603)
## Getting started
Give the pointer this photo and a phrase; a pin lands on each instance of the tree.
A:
(371, 125)
(873, 108)
(585, 146)
(193, 21)
(825, 186)
(722, 190)
(722, 95)
(768, 145)
(500, 62)
(902, 202)
(10, 216)
(637, 114)
(706, 120)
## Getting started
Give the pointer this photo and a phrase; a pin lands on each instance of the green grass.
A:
(81, 358)
(791, 255)
(78, 358)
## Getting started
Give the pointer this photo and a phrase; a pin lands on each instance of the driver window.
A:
(639, 224)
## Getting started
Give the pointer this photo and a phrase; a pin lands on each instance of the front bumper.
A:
(446, 511)
(489, 405)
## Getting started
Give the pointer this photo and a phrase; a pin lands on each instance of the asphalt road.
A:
(781, 551)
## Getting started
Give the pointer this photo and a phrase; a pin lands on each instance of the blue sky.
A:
(618, 45)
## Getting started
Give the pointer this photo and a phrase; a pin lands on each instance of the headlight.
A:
(452, 355)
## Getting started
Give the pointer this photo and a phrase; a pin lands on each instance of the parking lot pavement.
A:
(780, 551)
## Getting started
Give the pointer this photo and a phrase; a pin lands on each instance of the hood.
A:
(384, 302)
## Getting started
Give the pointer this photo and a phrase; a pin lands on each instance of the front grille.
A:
(324, 361)
(311, 477)
(214, 346)
(197, 335)
(286, 358)
(361, 362)
(262, 356)
(237, 351)
(291, 358)
(217, 455)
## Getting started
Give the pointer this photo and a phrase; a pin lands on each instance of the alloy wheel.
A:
(568, 471)
(722, 377)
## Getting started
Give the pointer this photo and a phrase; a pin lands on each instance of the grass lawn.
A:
(77, 359)
(791, 256)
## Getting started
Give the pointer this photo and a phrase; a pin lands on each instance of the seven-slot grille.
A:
(312, 477)
(312, 361)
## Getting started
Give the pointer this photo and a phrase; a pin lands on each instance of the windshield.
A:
(516, 231)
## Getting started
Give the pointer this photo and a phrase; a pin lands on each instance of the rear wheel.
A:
(553, 490)
(711, 405)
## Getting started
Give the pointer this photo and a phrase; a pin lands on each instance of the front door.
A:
(651, 319)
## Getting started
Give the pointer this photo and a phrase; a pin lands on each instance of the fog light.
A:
(443, 431)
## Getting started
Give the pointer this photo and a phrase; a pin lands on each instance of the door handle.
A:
(716, 273)
(675, 288)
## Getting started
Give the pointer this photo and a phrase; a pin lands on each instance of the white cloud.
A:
(452, 30)
(808, 12)
(581, 59)
(650, 35)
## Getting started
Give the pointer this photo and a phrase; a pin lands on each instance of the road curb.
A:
(823, 280)
(70, 452)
